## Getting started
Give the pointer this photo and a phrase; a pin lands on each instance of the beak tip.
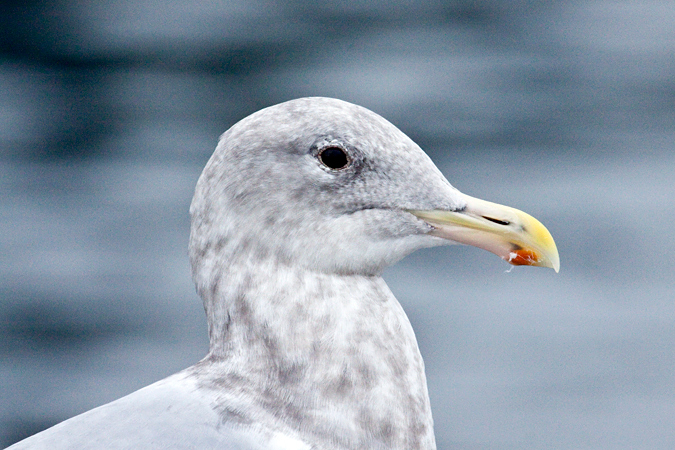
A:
(552, 257)
(555, 263)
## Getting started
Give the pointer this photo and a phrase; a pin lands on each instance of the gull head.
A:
(333, 187)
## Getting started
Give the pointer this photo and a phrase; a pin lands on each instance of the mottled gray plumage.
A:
(309, 348)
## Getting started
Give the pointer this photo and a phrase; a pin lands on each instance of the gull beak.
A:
(516, 237)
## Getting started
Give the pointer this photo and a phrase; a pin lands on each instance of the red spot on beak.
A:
(522, 257)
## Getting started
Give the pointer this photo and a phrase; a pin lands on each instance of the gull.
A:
(295, 216)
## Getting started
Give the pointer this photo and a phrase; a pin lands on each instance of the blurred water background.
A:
(565, 109)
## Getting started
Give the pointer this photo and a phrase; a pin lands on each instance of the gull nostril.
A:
(497, 221)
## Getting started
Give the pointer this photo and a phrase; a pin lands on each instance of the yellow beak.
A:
(513, 235)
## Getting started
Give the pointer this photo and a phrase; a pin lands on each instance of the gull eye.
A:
(334, 157)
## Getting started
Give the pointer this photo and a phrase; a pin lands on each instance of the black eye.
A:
(334, 157)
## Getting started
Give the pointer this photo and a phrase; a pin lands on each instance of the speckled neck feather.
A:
(346, 372)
